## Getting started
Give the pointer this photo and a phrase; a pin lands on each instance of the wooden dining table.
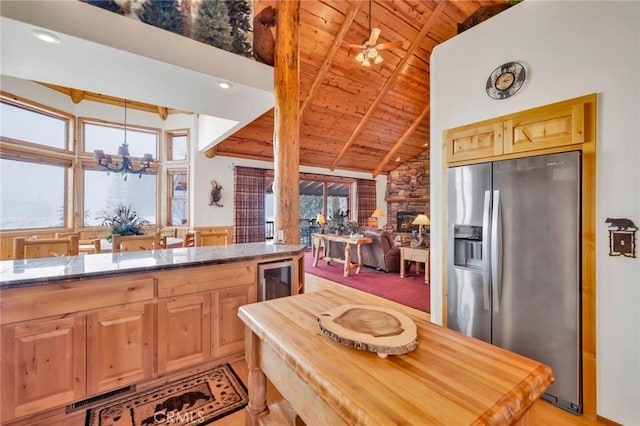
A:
(447, 379)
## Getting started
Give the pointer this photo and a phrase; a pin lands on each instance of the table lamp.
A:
(421, 220)
(377, 213)
(321, 222)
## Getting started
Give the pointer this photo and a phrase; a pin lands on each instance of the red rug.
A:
(410, 290)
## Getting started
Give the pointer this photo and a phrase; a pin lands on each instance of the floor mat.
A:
(196, 400)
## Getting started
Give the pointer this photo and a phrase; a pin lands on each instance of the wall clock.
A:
(506, 80)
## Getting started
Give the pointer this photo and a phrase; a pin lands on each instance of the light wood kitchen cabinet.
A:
(43, 365)
(475, 141)
(227, 328)
(184, 332)
(65, 341)
(541, 130)
(553, 126)
(120, 347)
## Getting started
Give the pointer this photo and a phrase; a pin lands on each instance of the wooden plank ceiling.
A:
(352, 117)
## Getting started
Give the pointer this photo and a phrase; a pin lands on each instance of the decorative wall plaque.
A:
(622, 237)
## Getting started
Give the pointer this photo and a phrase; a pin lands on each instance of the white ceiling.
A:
(106, 53)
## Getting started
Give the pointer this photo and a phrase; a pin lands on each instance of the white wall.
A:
(221, 169)
(570, 49)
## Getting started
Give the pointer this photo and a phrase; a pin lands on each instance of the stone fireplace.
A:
(407, 193)
(404, 221)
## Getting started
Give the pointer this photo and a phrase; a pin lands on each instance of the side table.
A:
(418, 255)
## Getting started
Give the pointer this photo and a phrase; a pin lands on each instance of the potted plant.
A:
(123, 221)
(338, 221)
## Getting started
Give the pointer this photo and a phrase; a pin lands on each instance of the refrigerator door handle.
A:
(496, 252)
(486, 265)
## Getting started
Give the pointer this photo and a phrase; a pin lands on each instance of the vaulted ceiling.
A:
(353, 117)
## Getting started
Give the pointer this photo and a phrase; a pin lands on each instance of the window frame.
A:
(169, 172)
(30, 152)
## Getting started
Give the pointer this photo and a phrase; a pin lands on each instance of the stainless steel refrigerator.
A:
(513, 262)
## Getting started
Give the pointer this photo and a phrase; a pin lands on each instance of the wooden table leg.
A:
(402, 264)
(427, 267)
(257, 381)
(317, 253)
(347, 259)
(359, 251)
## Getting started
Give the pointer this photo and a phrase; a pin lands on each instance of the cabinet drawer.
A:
(20, 304)
(206, 278)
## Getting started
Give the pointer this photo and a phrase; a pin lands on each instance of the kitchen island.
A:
(448, 379)
(78, 328)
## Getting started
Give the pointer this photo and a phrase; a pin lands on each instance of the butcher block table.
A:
(449, 379)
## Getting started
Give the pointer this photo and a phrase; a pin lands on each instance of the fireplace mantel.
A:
(406, 199)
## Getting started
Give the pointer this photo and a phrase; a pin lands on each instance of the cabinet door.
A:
(557, 125)
(43, 365)
(228, 329)
(184, 332)
(479, 141)
(119, 347)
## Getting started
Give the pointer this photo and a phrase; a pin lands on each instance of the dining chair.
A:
(210, 238)
(44, 247)
(188, 239)
(91, 245)
(122, 243)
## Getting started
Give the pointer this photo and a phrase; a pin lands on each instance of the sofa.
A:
(381, 254)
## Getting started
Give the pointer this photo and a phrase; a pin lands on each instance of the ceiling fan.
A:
(369, 49)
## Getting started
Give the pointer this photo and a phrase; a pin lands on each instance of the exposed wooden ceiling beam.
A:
(78, 96)
(401, 140)
(328, 59)
(387, 86)
(466, 6)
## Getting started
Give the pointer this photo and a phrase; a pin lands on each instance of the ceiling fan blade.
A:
(351, 45)
(389, 45)
(375, 33)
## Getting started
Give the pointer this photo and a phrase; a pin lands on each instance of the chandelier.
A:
(126, 166)
(369, 53)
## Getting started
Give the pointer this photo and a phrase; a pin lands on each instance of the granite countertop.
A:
(29, 272)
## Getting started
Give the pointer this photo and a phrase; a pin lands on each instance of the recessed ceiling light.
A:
(225, 85)
(397, 159)
(47, 37)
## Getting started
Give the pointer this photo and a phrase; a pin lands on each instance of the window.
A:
(35, 166)
(177, 177)
(34, 200)
(109, 137)
(177, 145)
(318, 194)
(42, 129)
(104, 190)
(177, 213)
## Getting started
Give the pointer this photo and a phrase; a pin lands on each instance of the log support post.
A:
(286, 132)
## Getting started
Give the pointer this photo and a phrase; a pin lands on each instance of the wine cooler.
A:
(275, 279)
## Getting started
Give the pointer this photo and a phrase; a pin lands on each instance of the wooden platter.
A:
(370, 328)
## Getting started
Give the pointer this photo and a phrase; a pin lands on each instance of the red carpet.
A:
(411, 290)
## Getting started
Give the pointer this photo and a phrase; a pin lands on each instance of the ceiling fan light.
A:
(378, 59)
(372, 53)
(360, 57)
(366, 63)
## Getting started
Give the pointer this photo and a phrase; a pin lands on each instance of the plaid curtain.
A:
(366, 199)
(249, 189)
